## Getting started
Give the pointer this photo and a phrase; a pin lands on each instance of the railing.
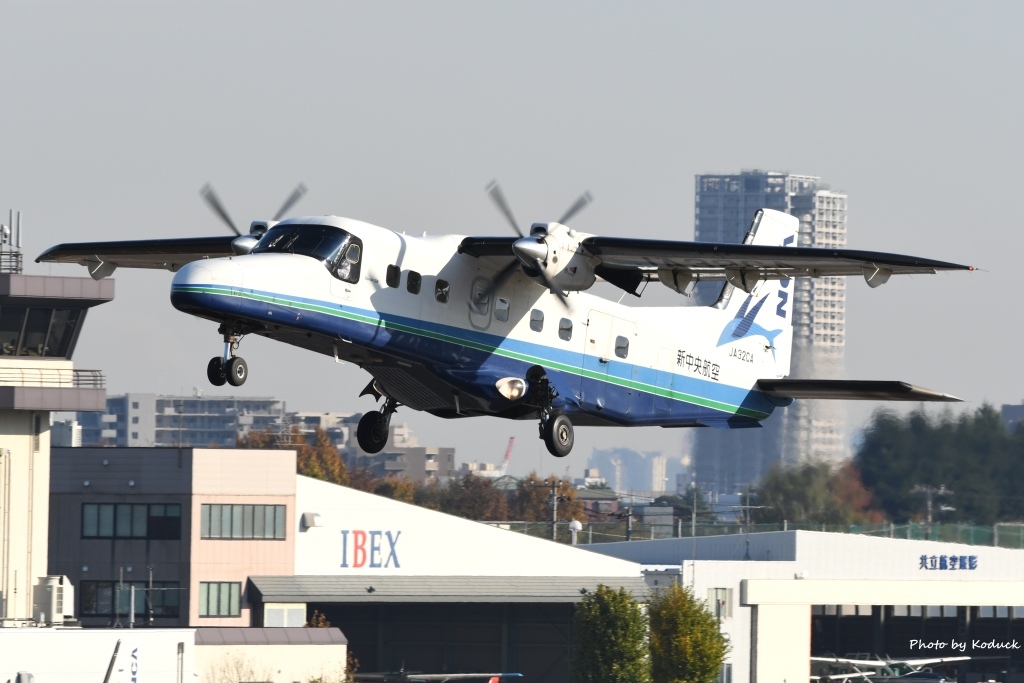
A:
(51, 377)
(1002, 534)
(10, 262)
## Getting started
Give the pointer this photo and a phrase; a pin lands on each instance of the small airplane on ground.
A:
(412, 677)
(465, 326)
(889, 670)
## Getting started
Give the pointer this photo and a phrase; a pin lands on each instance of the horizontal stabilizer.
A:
(850, 390)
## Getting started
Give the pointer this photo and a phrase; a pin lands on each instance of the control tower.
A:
(41, 318)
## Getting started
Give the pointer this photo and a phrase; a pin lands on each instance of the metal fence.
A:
(1003, 534)
(51, 377)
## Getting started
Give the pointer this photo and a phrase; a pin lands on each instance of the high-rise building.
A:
(727, 460)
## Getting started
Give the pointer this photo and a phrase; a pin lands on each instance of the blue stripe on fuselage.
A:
(452, 350)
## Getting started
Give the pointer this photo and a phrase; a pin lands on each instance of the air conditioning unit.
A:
(54, 600)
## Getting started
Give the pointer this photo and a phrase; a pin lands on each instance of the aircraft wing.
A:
(101, 258)
(851, 390)
(932, 660)
(711, 260)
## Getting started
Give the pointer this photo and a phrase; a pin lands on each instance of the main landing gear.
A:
(229, 368)
(555, 428)
(374, 427)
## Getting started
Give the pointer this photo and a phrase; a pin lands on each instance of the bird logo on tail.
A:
(743, 326)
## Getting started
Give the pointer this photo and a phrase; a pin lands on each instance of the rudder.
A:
(762, 308)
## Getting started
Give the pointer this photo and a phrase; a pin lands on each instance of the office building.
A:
(726, 461)
(143, 420)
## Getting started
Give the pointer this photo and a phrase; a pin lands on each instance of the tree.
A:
(686, 645)
(971, 453)
(319, 460)
(532, 500)
(813, 493)
(611, 639)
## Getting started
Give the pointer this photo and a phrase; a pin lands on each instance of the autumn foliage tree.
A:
(686, 643)
(611, 639)
(532, 501)
(319, 460)
(814, 493)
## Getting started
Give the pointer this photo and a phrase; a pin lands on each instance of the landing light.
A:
(511, 388)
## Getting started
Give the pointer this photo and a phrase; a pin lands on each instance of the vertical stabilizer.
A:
(762, 309)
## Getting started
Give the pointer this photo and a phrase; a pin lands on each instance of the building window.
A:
(135, 405)
(413, 282)
(242, 521)
(135, 420)
(536, 320)
(155, 522)
(441, 288)
(720, 602)
(565, 329)
(99, 598)
(220, 599)
(394, 276)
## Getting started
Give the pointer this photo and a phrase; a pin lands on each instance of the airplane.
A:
(412, 677)
(890, 670)
(462, 326)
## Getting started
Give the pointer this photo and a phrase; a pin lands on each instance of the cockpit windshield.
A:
(322, 242)
(339, 251)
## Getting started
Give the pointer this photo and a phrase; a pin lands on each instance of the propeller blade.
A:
(550, 286)
(499, 281)
(295, 196)
(214, 203)
(578, 206)
(499, 199)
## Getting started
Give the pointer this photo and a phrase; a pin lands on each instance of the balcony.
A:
(59, 387)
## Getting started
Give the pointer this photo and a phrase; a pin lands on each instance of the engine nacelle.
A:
(568, 267)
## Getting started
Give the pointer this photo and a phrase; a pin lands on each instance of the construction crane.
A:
(508, 456)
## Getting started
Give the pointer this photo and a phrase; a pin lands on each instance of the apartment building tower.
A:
(727, 461)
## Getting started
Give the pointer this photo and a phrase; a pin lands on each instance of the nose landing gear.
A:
(229, 368)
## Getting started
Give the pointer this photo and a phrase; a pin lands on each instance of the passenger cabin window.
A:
(536, 320)
(565, 329)
(339, 251)
(441, 289)
(394, 276)
(621, 346)
(413, 282)
(501, 307)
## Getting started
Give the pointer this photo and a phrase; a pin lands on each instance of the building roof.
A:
(392, 589)
(269, 636)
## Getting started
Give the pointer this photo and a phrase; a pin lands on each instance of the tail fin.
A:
(762, 308)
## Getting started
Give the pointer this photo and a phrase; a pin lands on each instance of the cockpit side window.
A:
(347, 267)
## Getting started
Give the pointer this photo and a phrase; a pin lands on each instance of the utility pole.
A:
(554, 506)
(930, 492)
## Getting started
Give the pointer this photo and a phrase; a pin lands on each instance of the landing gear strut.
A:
(555, 428)
(228, 368)
(372, 432)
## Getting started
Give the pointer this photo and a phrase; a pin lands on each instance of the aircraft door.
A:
(608, 371)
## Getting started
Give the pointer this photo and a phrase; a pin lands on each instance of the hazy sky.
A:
(114, 114)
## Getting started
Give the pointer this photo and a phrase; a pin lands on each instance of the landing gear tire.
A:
(372, 432)
(215, 372)
(558, 435)
(237, 371)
